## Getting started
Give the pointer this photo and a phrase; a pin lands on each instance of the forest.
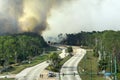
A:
(104, 43)
(16, 48)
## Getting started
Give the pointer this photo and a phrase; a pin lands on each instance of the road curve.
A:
(70, 67)
(32, 73)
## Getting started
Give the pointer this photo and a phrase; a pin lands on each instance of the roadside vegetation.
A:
(17, 68)
(56, 62)
(89, 65)
(18, 51)
(70, 50)
(7, 79)
(105, 45)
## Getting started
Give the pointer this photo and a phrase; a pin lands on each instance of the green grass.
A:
(61, 63)
(89, 64)
(118, 76)
(64, 60)
(118, 72)
(7, 79)
(17, 68)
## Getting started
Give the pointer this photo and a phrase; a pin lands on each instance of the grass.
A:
(64, 60)
(118, 76)
(87, 65)
(17, 68)
(60, 64)
(7, 79)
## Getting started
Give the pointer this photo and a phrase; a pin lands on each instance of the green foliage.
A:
(19, 47)
(106, 43)
(54, 61)
(70, 49)
(83, 38)
(118, 76)
(60, 62)
(87, 65)
(7, 79)
(36, 60)
(102, 65)
(64, 60)
(95, 51)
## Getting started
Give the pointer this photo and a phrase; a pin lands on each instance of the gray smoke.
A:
(10, 11)
(85, 15)
(26, 15)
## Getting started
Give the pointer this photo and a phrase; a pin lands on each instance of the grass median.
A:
(7, 79)
(88, 67)
(19, 67)
(60, 64)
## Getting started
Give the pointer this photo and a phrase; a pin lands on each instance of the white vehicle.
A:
(51, 74)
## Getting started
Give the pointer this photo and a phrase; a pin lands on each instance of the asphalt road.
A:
(32, 73)
(69, 69)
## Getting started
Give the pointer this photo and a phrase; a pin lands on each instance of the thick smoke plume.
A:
(10, 11)
(25, 15)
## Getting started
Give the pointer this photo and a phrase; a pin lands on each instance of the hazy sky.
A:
(84, 15)
(61, 16)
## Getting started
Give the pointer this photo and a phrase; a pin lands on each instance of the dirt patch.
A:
(44, 76)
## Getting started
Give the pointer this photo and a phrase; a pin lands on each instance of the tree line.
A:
(104, 43)
(16, 48)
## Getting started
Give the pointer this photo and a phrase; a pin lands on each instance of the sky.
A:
(84, 15)
(52, 17)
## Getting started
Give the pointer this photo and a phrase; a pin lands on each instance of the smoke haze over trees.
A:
(58, 16)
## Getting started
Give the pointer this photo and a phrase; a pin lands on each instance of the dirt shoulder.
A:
(45, 76)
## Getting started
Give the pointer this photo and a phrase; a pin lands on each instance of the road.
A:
(70, 67)
(32, 73)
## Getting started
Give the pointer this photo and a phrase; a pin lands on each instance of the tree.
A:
(15, 48)
(70, 50)
(54, 61)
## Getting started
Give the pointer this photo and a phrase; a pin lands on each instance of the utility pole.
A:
(111, 62)
(91, 70)
(115, 64)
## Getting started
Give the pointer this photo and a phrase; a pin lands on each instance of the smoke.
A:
(10, 11)
(26, 15)
(84, 15)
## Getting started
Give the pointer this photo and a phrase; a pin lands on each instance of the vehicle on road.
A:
(51, 74)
